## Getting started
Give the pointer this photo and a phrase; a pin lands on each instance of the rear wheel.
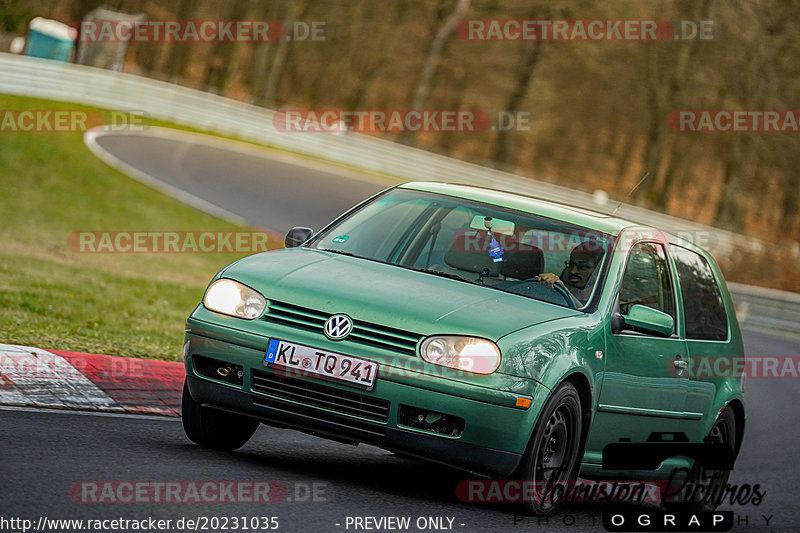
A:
(212, 428)
(553, 454)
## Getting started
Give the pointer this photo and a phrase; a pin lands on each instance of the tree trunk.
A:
(732, 207)
(225, 54)
(280, 59)
(659, 195)
(425, 83)
(180, 53)
(623, 163)
(655, 133)
(533, 49)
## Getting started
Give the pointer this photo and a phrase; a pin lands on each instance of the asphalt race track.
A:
(261, 186)
(47, 452)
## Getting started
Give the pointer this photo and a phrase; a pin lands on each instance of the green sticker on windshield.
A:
(340, 239)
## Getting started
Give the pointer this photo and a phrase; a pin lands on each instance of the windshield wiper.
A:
(350, 254)
(443, 274)
(340, 252)
(439, 273)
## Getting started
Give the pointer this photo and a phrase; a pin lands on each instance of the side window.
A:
(646, 280)
(702, 301)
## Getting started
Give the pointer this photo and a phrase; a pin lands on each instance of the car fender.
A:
(550, 351)
(553, 352)
(727, 394)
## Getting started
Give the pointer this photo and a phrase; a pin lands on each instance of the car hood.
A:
(370, 291)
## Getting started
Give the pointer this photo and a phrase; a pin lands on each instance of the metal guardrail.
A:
(766, 310)
(125, 92)
(26, 76)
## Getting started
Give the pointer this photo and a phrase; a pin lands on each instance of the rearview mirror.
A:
(495, 224)
(649, 320)
(297, 236)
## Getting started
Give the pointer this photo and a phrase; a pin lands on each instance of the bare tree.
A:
(180, 53)
(684, 65)
(522, 82)
(445, 32)
(281, 56)
(663, 93)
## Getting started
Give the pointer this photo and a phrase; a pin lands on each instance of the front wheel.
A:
(552, 457)
(214, 429)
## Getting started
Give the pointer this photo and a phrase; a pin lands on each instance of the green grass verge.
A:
(132, 304)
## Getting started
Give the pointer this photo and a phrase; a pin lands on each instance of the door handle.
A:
(679, 363)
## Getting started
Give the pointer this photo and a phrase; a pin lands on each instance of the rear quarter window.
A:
(703, 309)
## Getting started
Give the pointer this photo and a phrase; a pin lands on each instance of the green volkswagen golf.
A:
(504, 335)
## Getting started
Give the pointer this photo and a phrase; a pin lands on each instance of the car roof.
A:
(586, 218)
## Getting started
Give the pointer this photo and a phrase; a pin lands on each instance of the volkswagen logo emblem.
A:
(338, 327)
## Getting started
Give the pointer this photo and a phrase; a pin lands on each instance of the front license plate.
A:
(308, 361)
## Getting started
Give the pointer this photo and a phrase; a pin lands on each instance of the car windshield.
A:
(475, 243)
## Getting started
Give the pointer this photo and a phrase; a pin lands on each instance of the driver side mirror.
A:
(649, 320)
(297, 236)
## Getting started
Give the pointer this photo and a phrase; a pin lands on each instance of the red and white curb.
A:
(72, 380)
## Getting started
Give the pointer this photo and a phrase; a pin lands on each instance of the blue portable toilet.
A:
(50, 39)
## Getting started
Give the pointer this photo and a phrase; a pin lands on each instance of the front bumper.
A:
(491, 444)
(475, 459)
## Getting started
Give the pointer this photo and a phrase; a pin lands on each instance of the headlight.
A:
(232, 298)
(470, 354)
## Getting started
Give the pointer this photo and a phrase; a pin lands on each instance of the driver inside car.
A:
(579, 275)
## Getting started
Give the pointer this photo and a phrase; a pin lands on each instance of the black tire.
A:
(214, 429)
(714, 481)
(554, 450)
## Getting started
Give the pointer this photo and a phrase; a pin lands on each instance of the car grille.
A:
(314, 394)
(363, 333)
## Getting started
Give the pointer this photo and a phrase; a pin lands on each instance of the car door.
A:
(707, 332)
(640, 392)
